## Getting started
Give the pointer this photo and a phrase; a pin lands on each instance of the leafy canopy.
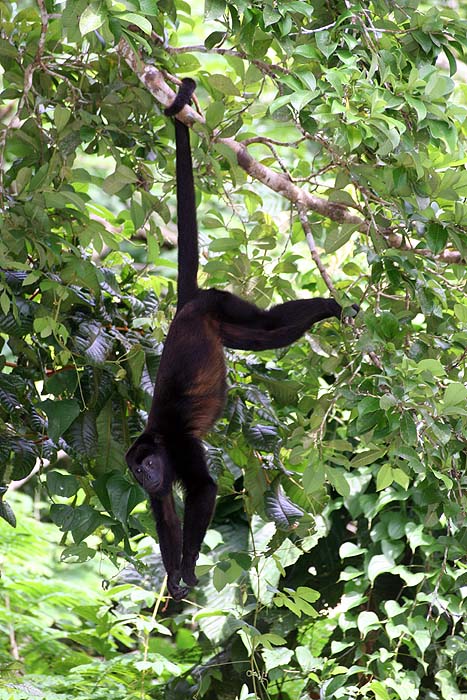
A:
(336, 562)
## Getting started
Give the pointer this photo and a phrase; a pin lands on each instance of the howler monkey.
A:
(190, 387)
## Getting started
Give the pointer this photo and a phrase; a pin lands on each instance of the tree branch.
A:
(314, 253)
(268, 68)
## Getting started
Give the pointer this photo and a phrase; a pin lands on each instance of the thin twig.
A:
(314, 253)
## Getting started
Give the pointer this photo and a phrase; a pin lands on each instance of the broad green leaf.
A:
(92, 18)
(149, 7)
(61, 415)
(213, 9)
(65, 485)
(379, 564)
(224, 84)
(274, 658)
(7, 513)
(337, 478)
(348, 549)
(141, 22)
(401, 478)
(117, 180)
(436, 237)
(338, 236)
(281, 510)
(460, 311)
(367, 621)
(385, 477)
(379, 690)
(433, 366)
(408, 429)
(439, 85)
(368, 457)
(61, 117)
(214, 114)
(455, 393)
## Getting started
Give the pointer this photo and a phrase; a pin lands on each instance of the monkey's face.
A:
(149, 463)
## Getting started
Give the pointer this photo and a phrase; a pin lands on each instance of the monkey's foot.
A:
(188, 571)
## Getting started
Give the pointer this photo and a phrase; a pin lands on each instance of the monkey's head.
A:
(149, 463)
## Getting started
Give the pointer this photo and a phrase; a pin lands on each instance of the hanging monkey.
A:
(190, 388)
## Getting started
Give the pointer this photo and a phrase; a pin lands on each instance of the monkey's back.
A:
(190, 388)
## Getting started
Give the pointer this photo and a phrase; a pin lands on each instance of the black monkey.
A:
(190, 388)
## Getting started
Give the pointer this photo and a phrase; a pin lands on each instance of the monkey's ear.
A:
(138, 450)
(131, 458)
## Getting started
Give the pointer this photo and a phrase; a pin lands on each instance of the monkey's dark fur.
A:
(190, 387)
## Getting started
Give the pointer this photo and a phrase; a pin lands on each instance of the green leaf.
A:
(61, 415)
(214, 114)
(379, 690)
(436, 237)
(349, 549)
(274, 658)
(138, 215)
(82, 434)
(388, 325)
(385, 477)
(225, 573)
(224, 84)
(119, 179)
(455, 393)
(438, 86)
(418, 106)
(213, 9)
(368, 457)
(441, 431)
(123, 496)
(222, 245)
(141, 22)
(401, 478)
(460, 311)
(367, 621)
(6, 512)
(433, 366)
(65, 485)
(379, 564)
(262, 437)
(213, 39)
(338, 236)
(370, 404)
(149, 7)
(281, 510)
(338, 480)
(61, 117)
(408, 429)
(81, 521)
(451, 60)
(91, 19)
(5, 303)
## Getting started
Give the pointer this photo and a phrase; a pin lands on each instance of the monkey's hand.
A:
(173, 584)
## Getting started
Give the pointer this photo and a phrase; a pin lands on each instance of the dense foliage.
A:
(336, 564)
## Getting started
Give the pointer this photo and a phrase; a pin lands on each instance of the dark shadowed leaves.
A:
(281, 510)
